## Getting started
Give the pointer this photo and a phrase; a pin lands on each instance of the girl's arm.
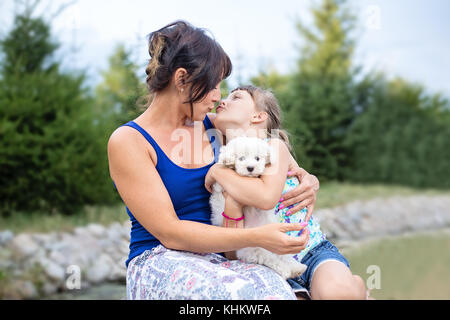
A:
(233, 209)
(263, 192)
(141, 188)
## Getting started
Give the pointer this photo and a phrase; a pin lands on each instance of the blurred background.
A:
(364, 89)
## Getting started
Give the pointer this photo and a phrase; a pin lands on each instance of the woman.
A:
(171, 238)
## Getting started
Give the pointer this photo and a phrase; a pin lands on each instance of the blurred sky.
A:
(410, 38)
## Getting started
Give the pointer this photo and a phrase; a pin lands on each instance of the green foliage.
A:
(27, 46)
(321, 106)
(118, 97)
(402, 136)
(364, 129)
(52, 156)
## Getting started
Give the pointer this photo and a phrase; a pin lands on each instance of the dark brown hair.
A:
(181, 45)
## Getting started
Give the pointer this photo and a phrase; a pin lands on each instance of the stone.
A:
(58, 257)
(100, 269)
(49, 288)
(23, 246)
(53, 271)
(24, 289)
(5, 237)
(96, 230)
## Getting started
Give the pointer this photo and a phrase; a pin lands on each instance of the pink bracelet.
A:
(234, 219)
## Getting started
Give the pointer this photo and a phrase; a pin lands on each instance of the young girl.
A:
(255, 112)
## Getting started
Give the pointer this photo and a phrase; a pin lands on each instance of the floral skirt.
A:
(165, 274)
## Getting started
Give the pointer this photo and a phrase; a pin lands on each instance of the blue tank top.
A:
(186, 188)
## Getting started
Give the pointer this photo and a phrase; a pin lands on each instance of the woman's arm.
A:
(263, 192)
(144, 193)
(305, 194)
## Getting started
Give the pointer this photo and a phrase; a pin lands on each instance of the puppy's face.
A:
(248, 156)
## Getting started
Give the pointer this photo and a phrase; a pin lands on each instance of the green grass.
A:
(39, 222)
(330, 194)
(412, 266)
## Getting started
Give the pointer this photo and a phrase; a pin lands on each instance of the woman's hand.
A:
(209, 178)
(305, 194)
(273, 237)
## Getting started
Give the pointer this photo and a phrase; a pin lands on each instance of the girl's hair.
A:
(181, 45)
(265, 101)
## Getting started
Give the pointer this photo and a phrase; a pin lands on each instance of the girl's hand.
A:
(305, 194)
(209, 179)
(273, 237)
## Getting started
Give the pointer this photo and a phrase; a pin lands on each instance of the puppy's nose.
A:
(250, 169)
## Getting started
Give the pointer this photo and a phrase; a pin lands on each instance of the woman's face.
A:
(235, 112)
(202, 107)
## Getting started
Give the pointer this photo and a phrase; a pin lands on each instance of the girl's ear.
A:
(227, 156)
(260, 117)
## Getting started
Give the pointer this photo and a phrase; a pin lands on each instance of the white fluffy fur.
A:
(249, 156)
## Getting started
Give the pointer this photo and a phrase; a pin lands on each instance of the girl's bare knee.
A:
(339, 289)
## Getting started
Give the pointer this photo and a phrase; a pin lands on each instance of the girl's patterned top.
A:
(315, 237)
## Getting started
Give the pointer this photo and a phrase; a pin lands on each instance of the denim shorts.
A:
(324, 251)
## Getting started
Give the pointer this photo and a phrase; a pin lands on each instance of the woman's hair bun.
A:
(156, 47)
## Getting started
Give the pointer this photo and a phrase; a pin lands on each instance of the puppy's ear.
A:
(227, 157)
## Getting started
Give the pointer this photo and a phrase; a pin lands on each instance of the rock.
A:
(80, 231)
(5, 237)
(96, 230)
(117, 273)
(53, 271)
(23, 246)
(5, 259)
(49, 288)
(58, 257)
(100, 269)
(24, 290)
(42, 239)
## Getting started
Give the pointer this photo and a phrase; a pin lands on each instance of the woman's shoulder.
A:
(126, 139)
(122, 135)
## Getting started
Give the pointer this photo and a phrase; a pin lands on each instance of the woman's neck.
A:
(165, 111)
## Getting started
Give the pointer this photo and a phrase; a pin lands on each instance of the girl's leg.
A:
(333, 280)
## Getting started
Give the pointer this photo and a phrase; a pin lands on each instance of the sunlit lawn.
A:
(330, 195)
(411, 267)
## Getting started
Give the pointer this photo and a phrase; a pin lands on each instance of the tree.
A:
(51, 153)
(119, 96)
(401, 137)
(321, 106)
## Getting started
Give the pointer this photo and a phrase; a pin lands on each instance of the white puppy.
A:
(249, 156)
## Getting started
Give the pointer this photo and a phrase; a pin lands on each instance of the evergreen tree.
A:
(51, 154)
(401, 137)
(121, 95)
(322, 105)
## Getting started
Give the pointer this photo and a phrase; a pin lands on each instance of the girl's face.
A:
(235, 112)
